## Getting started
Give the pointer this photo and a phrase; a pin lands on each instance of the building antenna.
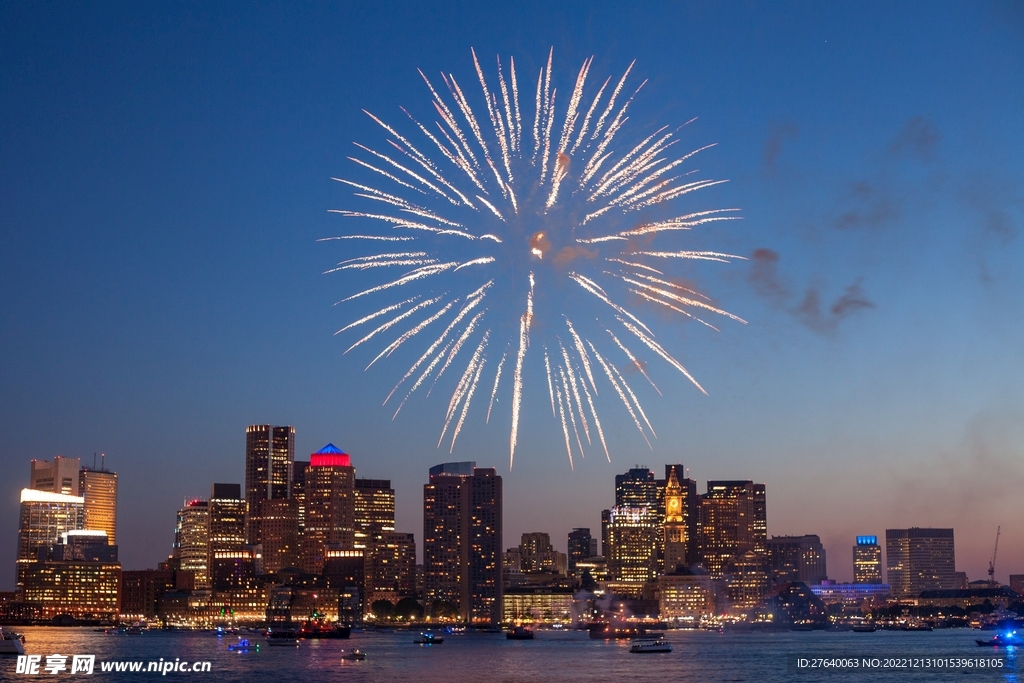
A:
(103, 462)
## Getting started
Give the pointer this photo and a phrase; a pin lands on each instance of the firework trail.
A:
(539, 209)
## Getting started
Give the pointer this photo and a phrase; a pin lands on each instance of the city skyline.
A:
(163, 287)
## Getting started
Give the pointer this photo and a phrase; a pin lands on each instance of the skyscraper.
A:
(330, 506)
(637, 489)
(192, 541)
(689, 505)
(299, 468)
(919, 559)
(391, 568)
(733, 521)
(633, 535)
(581, 546)
(675, 536)
(373, 511)
(99, 488)
(227, 526)
(867, 560)
(59, 476)
(797, 558)
(45, 516)
(269, 452)
(280, 534)
(462, 526)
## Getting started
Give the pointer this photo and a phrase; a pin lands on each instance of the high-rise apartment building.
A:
(192, 541)
(59, 476)
(867, 560)
(44, 517)
(462, 526)
(99, 489)
(391, 568)
(330, 506)
(733, 521)
(919, 560)
(797, 558)
(269, 452)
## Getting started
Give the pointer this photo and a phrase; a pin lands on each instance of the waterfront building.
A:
(59, 476)
(269, 452)
(235, 569)
(746, 581)
(44, 517)
(80, 577)
(733, 521)
(851, 594)
(581, 546)
(538, 605)
(191, 550)
(633, 534)
(227, 513)
(686, 596)
(344, 570)
(391, 568)
(462, 526)
(867, 560)
(330, 506)
(797, 558)
(1000, 597)
(919, 559)
(280, 534)
(1017, 583)
(141, 592)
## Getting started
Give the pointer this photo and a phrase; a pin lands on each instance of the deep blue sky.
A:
(164, 173)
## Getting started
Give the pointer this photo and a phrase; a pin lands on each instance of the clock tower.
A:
(674, 524)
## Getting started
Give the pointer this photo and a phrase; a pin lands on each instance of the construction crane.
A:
(992, 562)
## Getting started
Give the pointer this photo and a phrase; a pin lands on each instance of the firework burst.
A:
(527, 206)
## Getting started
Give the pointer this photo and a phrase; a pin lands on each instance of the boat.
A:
(11, 643)
(243, 645)
(1007, 639)
(519, 633)
(319, 629)
(917, 626)
(355, 655)
(284, 638)
(864, 628)
(133, 631)
(601, 630)
(649, 646)
(429, 638)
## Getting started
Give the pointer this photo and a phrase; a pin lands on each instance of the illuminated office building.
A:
(633, 534)
(299, 468)
(675, 535)
(192, 541)
(373, 511)
(330, 506)
(867, 560)
(919, 560)
(80, 576)
(99, 489)
(391, 568)
(685, 596)
(269, 452)
(462, 525)
(227, 526)
(581, 546)
(280, 534)
(44, 517)
(746, 580)
(797, 558)
(733, 521)
(688, 509)
(59, 476)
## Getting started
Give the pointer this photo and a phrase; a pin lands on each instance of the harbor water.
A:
(563, 656)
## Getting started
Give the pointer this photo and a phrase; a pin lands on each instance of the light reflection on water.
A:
(566, 657)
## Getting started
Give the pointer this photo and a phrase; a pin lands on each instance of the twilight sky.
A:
(165, 172)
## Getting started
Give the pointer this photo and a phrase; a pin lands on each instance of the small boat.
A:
(355, 655)
(647, 646)
(1008, 639)
(11, 643)
(519, 633)
(601, 630)
(283, 638)
(133, 631)
(429, 638)
(321, 629)
(243, 645)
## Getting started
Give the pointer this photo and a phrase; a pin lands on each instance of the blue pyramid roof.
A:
(329, 448)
